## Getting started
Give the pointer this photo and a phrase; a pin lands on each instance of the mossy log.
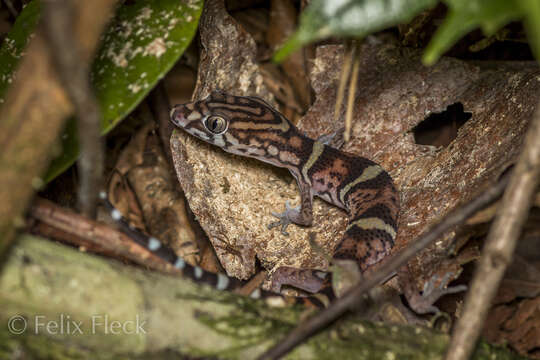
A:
(59, 303)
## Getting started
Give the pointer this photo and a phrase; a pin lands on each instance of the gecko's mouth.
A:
(177, 116)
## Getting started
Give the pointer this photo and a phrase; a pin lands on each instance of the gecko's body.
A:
(248, 126)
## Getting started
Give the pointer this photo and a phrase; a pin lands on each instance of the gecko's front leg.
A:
(305, 279)
(300, 215)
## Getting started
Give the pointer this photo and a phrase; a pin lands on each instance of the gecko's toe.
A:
(435, 288)
(285, 218)
(283, 222)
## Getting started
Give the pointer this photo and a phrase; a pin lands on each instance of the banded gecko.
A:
(248, 126)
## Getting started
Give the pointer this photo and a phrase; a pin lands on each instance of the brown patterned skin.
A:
(248, 126)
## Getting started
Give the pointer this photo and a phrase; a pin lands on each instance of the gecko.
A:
(250, 127)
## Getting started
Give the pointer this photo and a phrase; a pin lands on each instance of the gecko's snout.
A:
(177, 115)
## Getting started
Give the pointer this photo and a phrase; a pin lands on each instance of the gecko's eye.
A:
(216, 124)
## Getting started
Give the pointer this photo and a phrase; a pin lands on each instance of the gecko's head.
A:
(242, 125)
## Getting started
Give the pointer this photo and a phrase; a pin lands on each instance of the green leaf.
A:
(355, 18)
(531, 9)
(466, 15)
(143, 42)
(14, 44)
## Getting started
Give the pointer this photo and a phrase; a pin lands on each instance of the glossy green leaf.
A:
(14, 44)
(354, 18)
(466, 15)
(143, 42)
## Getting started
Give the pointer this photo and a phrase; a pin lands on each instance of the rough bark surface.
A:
(395, 94)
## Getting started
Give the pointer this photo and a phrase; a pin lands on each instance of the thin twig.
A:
(74, 73)
(352, 92)
(338, 308)
(500, 244)
(345, 72)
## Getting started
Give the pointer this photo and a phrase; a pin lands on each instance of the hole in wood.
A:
(439, 129)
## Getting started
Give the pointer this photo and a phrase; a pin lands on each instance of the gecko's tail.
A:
(195, 273)
(219, 281)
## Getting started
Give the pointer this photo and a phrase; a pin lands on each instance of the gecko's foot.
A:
(308, 280)
(433, 290)
(285, 218)
(334, 139)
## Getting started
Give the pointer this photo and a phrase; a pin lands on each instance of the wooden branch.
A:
(33, 116)
(47, 283)
(500, 245)
(81, 231)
